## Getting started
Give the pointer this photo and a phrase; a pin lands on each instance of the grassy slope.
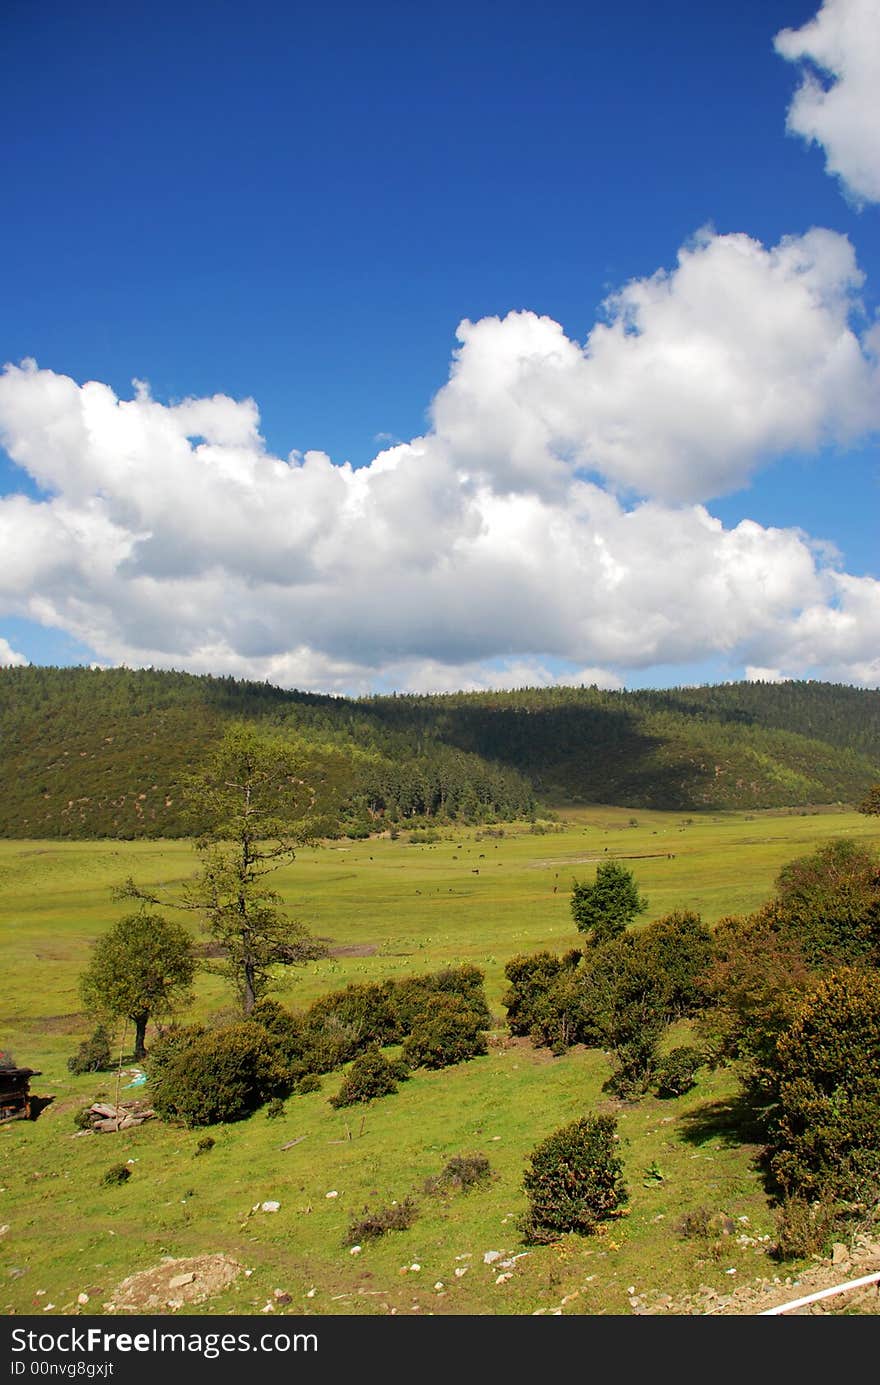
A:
(419, 906)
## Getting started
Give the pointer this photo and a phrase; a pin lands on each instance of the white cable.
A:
(824, 1293)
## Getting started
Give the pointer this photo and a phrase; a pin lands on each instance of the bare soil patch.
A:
(173, 1283)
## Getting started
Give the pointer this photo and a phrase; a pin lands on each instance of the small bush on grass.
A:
(694, 1225)
(449, 1032)
(675, 1073)
(286, 1031)
(204, 1145)
(462, 1173)
(573, 1180)
(372, 1075)
(712, 1230)
(116, 1174)
(93, 1055)
(309, 1082)
(83, 1118)
(804, 1228)
(275, 1108)
(399, 1216)
(681, 946)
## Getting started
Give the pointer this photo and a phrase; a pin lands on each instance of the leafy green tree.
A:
(603, 908)
(258, 799)
(871, 804)
(144, 966)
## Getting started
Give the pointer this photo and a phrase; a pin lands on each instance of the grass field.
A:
(387, 908)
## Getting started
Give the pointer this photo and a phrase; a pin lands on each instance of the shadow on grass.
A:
(735, 1121)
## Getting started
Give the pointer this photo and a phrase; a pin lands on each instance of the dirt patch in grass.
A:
(173, 1283)
(750, 1300)
(354, 950)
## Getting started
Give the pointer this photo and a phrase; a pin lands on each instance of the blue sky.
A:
(298, 207)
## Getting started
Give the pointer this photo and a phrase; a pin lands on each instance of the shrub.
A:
(286, 1031)
(399, 1216)
(83, 1118)
(804, 1228)
(204, 1145)
(694, 1225)
(221, 1075)
(275, 1108)
(342, 1024)
(529, 977)
(462, 1173)
(93, 1055)
(412, 996)
(558, 1016)
(711, 1229)
(824, 1135)
(626, 996)
(372, 1075)
(680, 945)
(830, 902)
(116, 1174)
(447, 1033)
(309, 1082)
(573, 1180)
(603, 908)
(543, 999)
(755, 984)
(675, 1073)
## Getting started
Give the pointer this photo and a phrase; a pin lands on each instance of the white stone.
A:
(332, 1193)
(269, 1206)
(491, 1256)
(462, 1269)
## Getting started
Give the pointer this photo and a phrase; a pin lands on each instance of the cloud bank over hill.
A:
(554, 513)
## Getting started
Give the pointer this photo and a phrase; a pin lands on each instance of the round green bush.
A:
(372, 1075)
(221, 1075)
(447, 1033)
(675, 1073)
(573, 1180)
(116, 1174)
(93, 1055)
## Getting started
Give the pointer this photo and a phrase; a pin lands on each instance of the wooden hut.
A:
(15, 1093)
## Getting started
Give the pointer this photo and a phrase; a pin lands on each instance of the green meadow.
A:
(384, 908)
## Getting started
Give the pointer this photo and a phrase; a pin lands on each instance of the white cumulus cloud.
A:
(837, 103)
(9, 657)
(551, 525)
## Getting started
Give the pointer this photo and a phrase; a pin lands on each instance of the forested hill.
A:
(102, 752)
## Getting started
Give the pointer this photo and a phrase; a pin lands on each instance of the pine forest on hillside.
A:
(103, 752)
